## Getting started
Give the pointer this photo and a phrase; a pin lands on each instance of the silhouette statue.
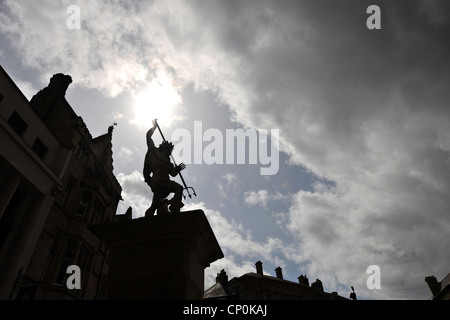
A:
(157, 168)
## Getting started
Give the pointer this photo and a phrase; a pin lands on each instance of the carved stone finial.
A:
(60, 82)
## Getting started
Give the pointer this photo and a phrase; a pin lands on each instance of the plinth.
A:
(159, 257)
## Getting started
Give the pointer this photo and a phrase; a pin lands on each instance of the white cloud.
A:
(127, 155)
(136, 193)
(253, 198)
(109, 64)
(234, 239)
(27, 88)
(231, 183)
(231, 267)
(241, 252)
(230, 178)
(263, 197)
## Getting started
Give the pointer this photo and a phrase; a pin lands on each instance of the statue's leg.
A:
(177, 204)
(155, 202)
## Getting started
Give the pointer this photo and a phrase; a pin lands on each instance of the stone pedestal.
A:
(159, 257)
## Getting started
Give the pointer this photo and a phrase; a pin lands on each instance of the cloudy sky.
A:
(364, 140)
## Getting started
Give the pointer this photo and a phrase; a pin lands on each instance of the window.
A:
(66, 260)
(83, 206)
(17, 123)
(68, 190)
(84, 261)
(51, 254)
(80, 255)
(39, 148)
(82, 153)
(98, 214)
(55, 244)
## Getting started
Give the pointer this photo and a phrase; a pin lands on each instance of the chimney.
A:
(317, 285)
(433, 284)
(303, 280)
(259, 268)
(222, 277)
(279, 273)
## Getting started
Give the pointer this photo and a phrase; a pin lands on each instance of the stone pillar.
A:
(8, 186)
(22, 241)
(159, 257)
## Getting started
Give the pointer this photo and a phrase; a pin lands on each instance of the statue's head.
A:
(166, 147)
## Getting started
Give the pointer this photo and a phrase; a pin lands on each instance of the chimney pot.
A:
(279, 273)
(303, 280)
(259, 268)
(317, 285)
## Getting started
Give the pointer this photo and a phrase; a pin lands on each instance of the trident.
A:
(173, 160)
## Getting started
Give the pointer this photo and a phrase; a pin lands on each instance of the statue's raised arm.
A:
(151, 148)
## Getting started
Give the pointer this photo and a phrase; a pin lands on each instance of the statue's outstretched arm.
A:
(150, 143)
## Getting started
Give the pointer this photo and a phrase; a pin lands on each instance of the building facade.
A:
(257, 286)
(56, 180)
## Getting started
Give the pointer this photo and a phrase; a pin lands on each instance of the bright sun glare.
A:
(157, 101)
